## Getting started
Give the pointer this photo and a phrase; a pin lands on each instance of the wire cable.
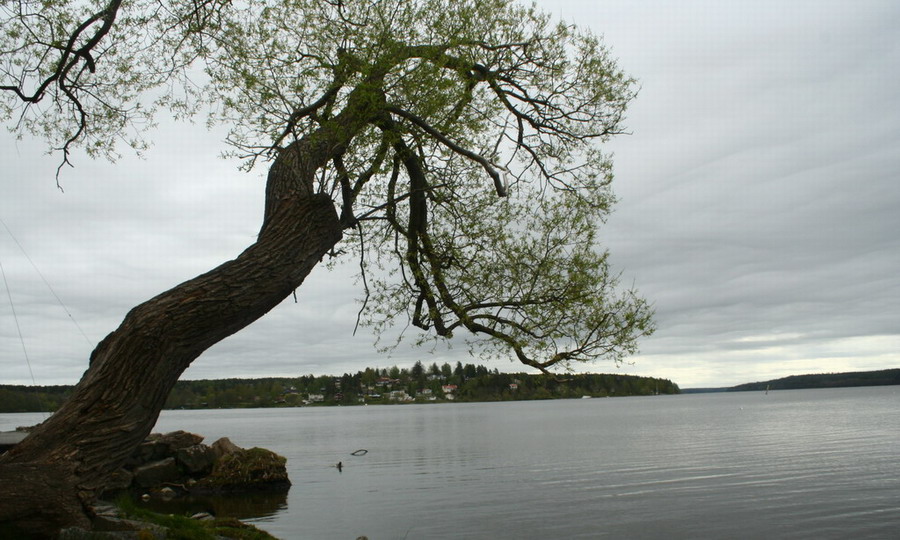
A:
(47, 283)
(18, 328)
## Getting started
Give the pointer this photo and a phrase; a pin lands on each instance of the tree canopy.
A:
(468, 161)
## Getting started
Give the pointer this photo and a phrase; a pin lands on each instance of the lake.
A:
(790, 464)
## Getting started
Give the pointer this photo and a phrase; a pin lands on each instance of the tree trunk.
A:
(50, 479)
(62, 466)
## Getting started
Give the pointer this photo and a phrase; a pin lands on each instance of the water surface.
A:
(790, 464)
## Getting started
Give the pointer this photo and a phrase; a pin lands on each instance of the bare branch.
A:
(422, 124)
(362, 273)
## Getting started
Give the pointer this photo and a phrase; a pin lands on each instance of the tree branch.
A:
(424, 126)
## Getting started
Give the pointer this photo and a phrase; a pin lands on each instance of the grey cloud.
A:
(758, 206)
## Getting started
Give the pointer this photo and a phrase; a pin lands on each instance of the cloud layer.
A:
(758, 210)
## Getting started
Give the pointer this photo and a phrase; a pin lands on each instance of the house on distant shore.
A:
(449, 391)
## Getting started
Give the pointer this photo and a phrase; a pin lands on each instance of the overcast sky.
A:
(759, 211)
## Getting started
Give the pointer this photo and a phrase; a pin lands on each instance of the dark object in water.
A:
(340, 466)
(8, 439)
(360, 452)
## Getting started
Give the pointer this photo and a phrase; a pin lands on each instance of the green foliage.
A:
(99, 64)
(469, 158)
(185, 528)
(32, 398)
(474, 383)
(496, 387)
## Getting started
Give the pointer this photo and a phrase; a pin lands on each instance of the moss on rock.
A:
(244, 470)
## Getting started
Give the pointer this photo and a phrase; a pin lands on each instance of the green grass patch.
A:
(186, 528)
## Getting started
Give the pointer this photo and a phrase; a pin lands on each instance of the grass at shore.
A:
(186, 528)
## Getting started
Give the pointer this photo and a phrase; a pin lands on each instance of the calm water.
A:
(791, 464)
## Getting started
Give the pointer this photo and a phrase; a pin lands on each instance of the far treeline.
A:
(420, 384)
(883, 377)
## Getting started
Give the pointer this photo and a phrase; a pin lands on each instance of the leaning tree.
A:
(455, 144)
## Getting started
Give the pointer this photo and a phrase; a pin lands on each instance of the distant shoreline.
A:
(850, 379)
(282, 392)
(467, 383)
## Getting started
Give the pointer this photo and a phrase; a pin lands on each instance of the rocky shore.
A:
(174, 465)
(178, 463)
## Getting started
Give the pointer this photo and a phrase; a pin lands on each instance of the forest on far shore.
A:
(424, 384)
(884, 377)
(419, 384)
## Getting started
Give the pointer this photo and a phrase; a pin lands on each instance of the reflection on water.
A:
(790, 464)
(798, 464)
(245, 506)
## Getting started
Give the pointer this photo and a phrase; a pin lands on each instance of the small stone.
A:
(105, 509)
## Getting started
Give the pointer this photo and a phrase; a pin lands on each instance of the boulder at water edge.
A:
(254, 469)
(179, 461)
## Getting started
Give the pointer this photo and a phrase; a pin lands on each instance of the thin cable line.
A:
(18, 328)
(47, 283)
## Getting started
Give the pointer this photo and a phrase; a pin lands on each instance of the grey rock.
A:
(224, 447)
(119, 480)
(105, 509)
(176, 440)
(156, 473)
(255, 469)
(196, 459)
(147, 452)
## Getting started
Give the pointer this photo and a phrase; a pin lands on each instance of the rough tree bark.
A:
(51, 478)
